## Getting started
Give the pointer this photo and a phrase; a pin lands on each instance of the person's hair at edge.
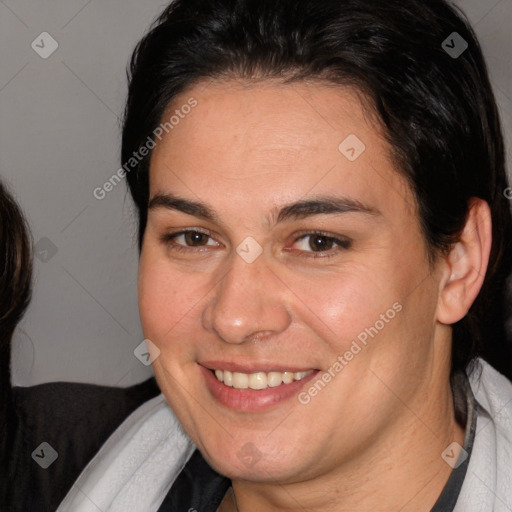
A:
(15, 286)
(439, 113)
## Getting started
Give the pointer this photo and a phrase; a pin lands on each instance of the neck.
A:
(403, 470)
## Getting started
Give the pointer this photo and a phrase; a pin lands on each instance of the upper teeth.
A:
(259, 380)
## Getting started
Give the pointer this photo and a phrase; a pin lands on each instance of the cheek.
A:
(353, 306)
(164, 297)
(369, 313)
(343, 305)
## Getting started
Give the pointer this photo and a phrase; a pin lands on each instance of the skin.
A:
(372, 438)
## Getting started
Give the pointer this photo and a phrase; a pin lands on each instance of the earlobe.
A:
(465, 266)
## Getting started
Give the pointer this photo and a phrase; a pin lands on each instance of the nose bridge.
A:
(245, 302)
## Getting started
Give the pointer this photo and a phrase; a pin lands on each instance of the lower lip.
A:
(250, 400)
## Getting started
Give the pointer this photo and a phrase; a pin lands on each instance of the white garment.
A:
(136, 467)
(138, 464)
(488, 483)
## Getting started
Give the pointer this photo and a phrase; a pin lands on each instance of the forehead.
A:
(268, 143)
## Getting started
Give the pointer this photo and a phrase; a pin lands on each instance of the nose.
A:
(248, 302)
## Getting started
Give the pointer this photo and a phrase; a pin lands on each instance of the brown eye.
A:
(322, 244)
(318, 243)
(194, 238)
(188, 240)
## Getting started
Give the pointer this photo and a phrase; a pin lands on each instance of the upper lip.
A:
(253, 367)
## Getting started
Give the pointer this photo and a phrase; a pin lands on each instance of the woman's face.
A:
(287, 256)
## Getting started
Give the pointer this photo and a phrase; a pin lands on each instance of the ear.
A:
(463, 269)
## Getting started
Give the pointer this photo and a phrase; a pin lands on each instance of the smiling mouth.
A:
(258, 380)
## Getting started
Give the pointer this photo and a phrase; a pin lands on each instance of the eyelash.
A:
(342, 243)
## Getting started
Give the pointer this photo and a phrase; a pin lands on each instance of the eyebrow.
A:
(321, 205)
(172, 202)
(324, 205)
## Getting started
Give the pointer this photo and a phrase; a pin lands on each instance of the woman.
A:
(48, 432)
(324, 245)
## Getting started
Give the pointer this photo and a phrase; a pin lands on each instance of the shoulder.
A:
(68, 398)
(493, 392)
(64, 410)
(75, 420)
(490, 467)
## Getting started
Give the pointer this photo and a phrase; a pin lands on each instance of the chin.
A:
(247, 460)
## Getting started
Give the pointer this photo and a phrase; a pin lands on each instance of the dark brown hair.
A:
(15, 291)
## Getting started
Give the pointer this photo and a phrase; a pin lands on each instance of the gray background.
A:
(59, 140)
